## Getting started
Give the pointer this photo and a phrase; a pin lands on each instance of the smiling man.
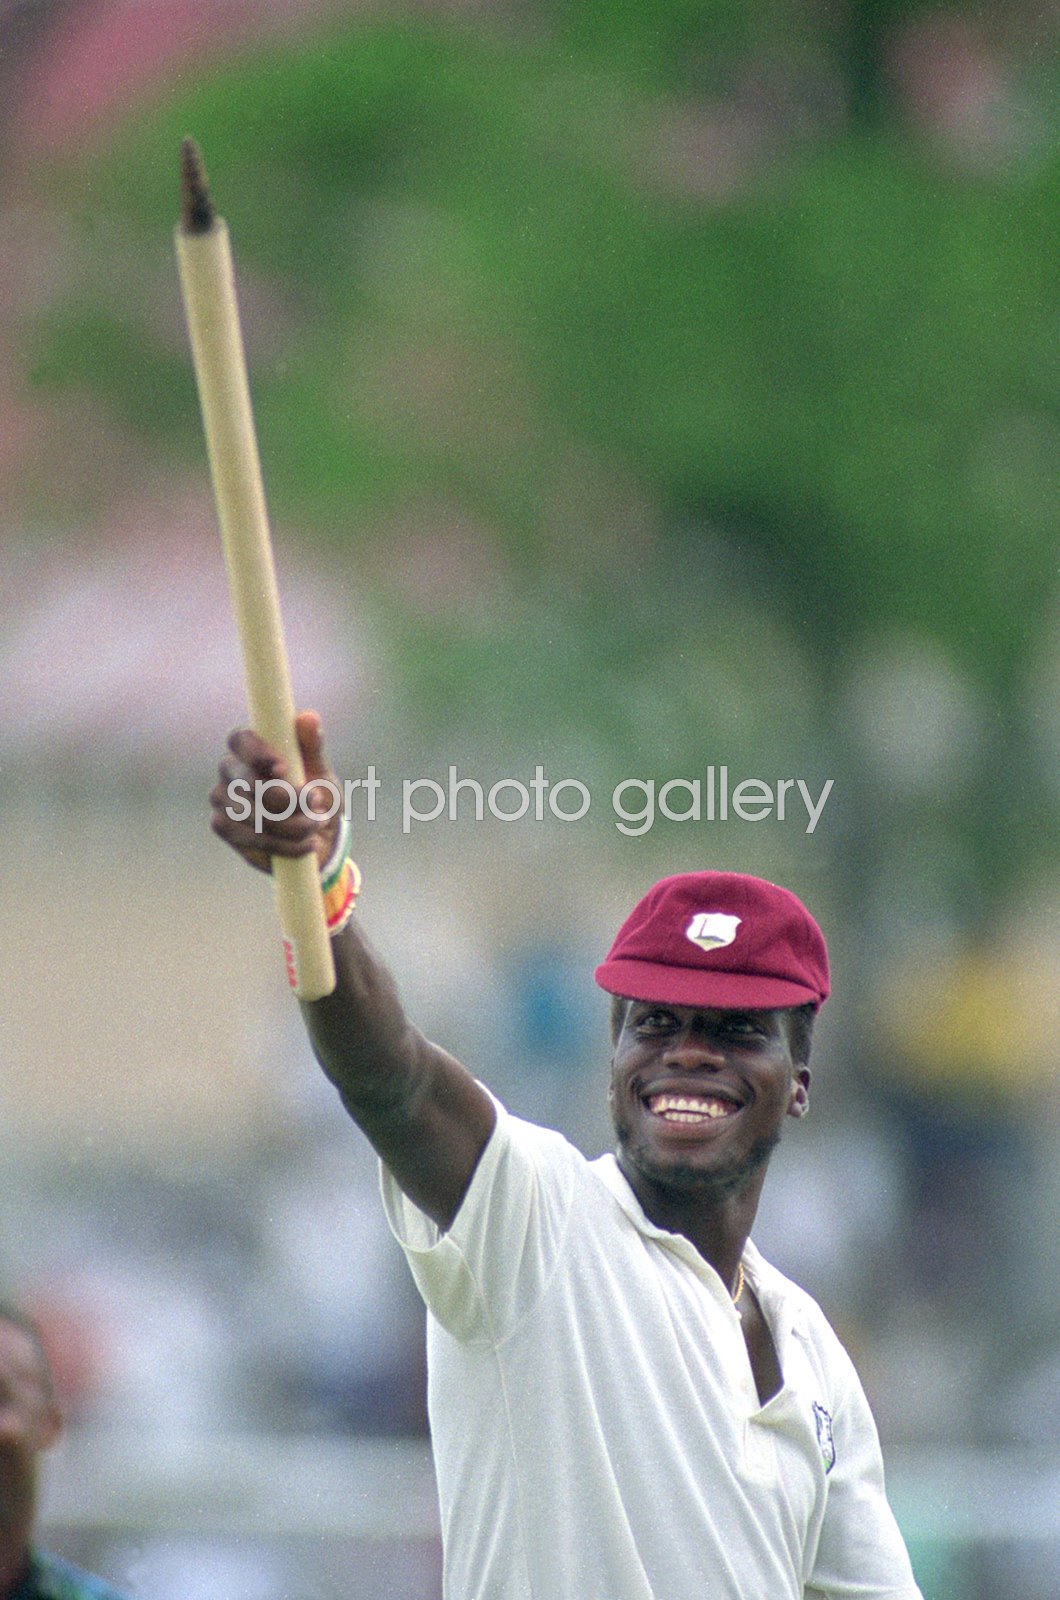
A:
(627, 1402)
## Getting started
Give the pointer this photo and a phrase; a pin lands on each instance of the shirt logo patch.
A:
(711, 929)
(825, 1438)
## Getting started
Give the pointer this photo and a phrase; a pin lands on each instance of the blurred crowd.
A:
(186, 1212)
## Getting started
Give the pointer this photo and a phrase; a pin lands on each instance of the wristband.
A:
(340, 884)
(340, 880)
(341, 897)
(336, 860)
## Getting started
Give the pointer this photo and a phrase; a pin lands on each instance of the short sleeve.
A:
(860, 1553)
(486, 1274)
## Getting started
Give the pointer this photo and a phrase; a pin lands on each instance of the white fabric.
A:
(597, 1433)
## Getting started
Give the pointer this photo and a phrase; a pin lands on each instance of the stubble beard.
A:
(686, 1179)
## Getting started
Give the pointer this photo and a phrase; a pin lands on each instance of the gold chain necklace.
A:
(738, 1291)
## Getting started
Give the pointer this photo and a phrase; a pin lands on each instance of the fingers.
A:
(298, 835)
(257, 810)
(259, 758)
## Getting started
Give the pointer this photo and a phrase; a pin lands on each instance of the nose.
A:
(694, 1049)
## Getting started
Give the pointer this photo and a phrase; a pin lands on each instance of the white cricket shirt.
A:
(597, 1433)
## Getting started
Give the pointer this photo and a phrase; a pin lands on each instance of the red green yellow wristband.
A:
(329, 872)
(340, 884)
(340, 880)
(341, 897)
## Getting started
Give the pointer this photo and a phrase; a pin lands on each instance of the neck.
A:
(717, 1223)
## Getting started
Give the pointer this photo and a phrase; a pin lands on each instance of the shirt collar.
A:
(610, 1173)
(769, 1284)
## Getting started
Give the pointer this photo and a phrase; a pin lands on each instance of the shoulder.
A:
(526, 1177)
(52, 1578)
(509, 1237)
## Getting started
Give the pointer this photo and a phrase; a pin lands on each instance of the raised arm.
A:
(424, 1113)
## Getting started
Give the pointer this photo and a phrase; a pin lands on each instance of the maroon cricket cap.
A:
(718, 939)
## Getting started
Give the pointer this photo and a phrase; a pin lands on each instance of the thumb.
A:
(311, 744)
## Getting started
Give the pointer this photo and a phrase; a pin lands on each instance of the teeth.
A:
(688, 1108)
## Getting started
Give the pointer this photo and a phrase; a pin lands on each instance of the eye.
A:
(743, 1027)
(657, 1020)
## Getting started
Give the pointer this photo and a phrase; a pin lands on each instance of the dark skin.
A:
(694, 1174)
(422, 1111)
(29, 1424)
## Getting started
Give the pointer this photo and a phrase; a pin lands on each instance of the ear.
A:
(799, 1103)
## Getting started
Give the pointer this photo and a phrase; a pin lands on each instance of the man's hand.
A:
(252, 762)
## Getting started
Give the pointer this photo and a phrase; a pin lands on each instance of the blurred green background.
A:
(640, 389)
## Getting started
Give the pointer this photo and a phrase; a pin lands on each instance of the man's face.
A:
(698, 1097)
(29, 1417)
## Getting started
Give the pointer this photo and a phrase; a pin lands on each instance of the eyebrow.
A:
(717, 1014)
